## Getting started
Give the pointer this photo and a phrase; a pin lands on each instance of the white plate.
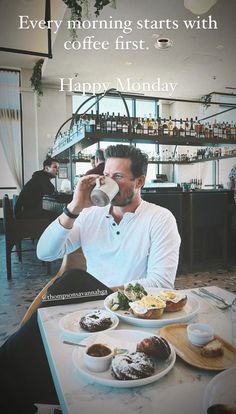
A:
(122, 339)
(188, 312)
(221, 389)
(71, 328)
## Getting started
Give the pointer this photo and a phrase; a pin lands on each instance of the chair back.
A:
(14, 200)
(7, 212)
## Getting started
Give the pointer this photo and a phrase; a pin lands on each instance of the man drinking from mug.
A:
(138, 240)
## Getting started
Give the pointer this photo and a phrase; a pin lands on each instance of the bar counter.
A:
(203, 218)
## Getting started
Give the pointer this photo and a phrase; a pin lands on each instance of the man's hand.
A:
(81, 197)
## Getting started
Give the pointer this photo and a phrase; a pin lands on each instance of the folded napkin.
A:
(75, 286)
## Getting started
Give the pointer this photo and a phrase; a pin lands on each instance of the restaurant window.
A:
(10, 127)
(77, 100)
(150, 150)
(146, 109)
(115, 105)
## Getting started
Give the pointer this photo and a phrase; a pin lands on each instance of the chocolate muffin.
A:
(95, 321)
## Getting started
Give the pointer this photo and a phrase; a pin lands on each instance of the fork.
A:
(204, 296)
(216, 297)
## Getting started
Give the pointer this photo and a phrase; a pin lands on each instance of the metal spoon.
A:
(74, 343)
(116, 351)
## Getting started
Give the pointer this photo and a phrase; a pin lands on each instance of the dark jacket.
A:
(97, 170)
(31, 196)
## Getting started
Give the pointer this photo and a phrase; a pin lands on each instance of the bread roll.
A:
(212, 349)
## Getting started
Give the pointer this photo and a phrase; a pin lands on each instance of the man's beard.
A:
(124, 201)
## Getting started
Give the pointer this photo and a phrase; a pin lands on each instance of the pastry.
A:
(155, 346)
(95, 321)
(149, 307)
(212, 349)
(132, 366)
(175, 301)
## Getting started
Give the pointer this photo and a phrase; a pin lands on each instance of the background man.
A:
(99, 163)
(30, 201)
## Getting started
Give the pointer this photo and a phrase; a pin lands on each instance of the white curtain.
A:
(10, 122)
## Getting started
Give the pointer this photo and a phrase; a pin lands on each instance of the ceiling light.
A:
(199, 6)
(220, 47)
(163, 43)
(128, 63)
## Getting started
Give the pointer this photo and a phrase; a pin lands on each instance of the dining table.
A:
(180, 391)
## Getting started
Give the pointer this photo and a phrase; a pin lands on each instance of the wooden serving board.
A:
(177, 335)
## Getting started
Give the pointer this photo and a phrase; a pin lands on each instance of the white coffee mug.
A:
(102, 194)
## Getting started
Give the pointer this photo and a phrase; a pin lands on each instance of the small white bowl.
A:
(97, 363)
(200, 333)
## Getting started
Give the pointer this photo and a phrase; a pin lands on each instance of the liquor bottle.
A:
(210, 131)
(215, 130)
(139, 128)
(108, 122)
(175, 129)
(155, 127)
(145, 125)
(160, 127)
(150, 126)
(197, 127)
(98, 122)
(103, 123)
(165, 128)
(134, 123)
(181, 129)
(233, 130)
(228, 131)
(220, 131)
(125, 127)
(192, 129)
(119, 123)
(187, 127)
(92, 122)
(224, 130)
(113, 123)
(170, 127)
(206, 130)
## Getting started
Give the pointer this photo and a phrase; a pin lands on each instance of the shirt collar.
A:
(127, 216)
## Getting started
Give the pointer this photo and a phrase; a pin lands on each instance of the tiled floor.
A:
(29, 277)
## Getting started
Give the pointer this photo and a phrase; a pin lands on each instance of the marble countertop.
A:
(180, 391)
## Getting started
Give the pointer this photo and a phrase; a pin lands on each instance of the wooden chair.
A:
(73, 260)
(18, 230)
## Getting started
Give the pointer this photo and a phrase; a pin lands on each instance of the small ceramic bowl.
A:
(200, 334)
(97, 357)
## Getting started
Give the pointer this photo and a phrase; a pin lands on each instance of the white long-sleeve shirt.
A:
(143, 247)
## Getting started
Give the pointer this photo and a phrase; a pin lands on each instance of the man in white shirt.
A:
(129, 240)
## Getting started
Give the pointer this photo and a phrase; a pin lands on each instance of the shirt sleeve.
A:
(56, 241)
(164, 253)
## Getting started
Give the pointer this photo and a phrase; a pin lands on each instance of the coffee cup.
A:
(104, 192)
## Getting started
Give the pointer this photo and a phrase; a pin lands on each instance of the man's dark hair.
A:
(99, 154)
(49, 161)
(139, 160)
